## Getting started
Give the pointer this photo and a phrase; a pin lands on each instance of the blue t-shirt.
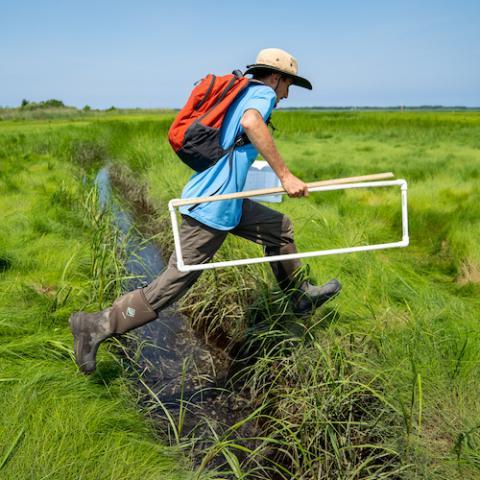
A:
(228, 175)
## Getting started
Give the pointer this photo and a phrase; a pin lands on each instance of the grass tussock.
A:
(321, 410)
(329, 414)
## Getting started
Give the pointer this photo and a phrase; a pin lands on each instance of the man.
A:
(205, 226)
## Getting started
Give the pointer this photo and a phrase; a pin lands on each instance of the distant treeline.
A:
(47, 104)
(52, 103)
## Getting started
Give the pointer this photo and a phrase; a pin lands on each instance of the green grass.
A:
(381, 382)
(57, 255)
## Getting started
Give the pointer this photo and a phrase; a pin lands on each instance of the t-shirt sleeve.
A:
(263, 100)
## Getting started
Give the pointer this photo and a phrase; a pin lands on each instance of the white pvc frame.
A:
(172, 204)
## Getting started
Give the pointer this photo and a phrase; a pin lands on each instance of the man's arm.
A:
(258, 133)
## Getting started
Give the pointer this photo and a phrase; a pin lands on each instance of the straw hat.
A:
(277, 60)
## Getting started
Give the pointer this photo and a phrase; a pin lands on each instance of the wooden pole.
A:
(276, 190)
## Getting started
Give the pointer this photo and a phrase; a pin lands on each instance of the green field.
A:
(380, 383)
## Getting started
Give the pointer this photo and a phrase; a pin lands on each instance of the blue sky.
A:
(148, 53)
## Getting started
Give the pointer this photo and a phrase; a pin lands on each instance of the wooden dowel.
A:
(276, 190)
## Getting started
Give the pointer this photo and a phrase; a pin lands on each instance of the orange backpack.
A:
(195, 132)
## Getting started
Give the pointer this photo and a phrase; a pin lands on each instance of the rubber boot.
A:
(309, 297)
(304, 297)
(90, 329)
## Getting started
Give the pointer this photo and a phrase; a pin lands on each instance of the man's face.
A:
(282, 89)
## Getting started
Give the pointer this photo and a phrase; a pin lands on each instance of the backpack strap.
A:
(243, 139)
(207, 93)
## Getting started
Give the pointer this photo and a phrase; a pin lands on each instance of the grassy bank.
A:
(57, 254)
(380, 383)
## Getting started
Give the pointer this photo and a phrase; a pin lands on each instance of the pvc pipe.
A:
(172, 204)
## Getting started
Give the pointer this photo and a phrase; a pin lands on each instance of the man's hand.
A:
(294, 186)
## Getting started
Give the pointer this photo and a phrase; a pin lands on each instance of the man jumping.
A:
(205, 226)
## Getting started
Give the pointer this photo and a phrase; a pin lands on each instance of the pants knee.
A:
(287, 230)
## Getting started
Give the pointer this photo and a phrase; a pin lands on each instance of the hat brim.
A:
(298, 81)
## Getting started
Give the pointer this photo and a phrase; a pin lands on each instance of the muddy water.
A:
(179, 366)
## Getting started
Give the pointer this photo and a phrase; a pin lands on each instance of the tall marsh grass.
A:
(57, 255)
(381, 382)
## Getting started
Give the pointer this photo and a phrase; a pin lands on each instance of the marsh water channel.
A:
(183, 377)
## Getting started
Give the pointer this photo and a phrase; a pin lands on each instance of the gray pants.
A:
(258, 223)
